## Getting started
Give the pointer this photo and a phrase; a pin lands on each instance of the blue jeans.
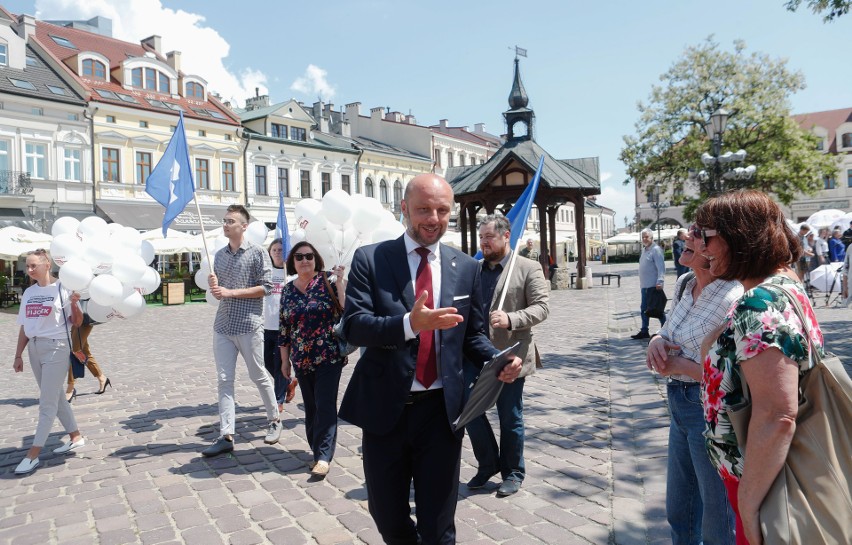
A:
(697, 505)
(509, 458)
(644, 305)
(319, 394)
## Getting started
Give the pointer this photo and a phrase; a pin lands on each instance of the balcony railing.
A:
(15, 182)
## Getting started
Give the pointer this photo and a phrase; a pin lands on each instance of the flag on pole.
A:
(520, 213)
(171, 183)
(281, 227)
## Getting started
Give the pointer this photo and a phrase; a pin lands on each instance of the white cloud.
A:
(605, 176)
(314, 83)
(621, 199)
(203, 49)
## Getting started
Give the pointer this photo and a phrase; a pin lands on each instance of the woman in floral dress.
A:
(307, 342)
(762, 341)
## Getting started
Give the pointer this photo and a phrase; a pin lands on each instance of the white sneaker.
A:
(26, 466)
(68, 446)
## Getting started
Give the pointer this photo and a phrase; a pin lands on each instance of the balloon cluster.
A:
(340, 223)
(106, 263)
(256, 233)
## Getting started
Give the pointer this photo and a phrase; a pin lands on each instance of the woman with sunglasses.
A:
(697, 506)
(761, 341)
(308, 343)
(47, 311)
(285, 389)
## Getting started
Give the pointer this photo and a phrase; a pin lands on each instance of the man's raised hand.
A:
(424, 318)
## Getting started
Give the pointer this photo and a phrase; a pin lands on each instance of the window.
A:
(345, 183)
(106, 94)
(56, 90)
(173, 106)
(260, 180)
(461, 160)
(298, 134)
(22, 84)
(94, 69)
(227, 137)
(202, 132)
(156, 103)
(821, 145)
(438, 157)
(326, 182)
(109, 158)
(194, 90)
(849, 177)
(397, 195)
(305, 176)
(63, 42)
(449, 159)
(36, 157)
(37, 111)
(828, 182)
(284, 181)
(368, 188)
(150, 79)
(4, 54)
(383, 192)
(4, 155)
(846, 139)
(163, 85)
(279, 131)
(228, 183)
(136, 77)
(110, 119)
(143, 166)
(32, 61)
(202, 173)
(72, 164)
(143, 124)
(73, 117)
(127, 98)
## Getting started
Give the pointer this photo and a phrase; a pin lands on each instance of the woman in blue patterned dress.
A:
(310, 348)
(761, 341)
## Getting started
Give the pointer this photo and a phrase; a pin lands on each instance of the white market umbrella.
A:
(176, 242)
(824, 218)
(842, 222)
(826, 278)
(15, 242)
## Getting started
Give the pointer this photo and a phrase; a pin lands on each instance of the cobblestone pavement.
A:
(596, 428)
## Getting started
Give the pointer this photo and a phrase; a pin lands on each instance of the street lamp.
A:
(659, 207)
(44, 220)
(723, 165)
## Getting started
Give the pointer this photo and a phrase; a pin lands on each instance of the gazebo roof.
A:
(578, 174)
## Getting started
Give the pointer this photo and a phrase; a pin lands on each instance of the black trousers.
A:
(272, 362)
(319, 394)
(423, 448)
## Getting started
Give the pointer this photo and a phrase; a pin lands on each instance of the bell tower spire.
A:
(519, 116)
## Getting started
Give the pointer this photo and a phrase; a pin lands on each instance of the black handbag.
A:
(78, 366)
(656, 304)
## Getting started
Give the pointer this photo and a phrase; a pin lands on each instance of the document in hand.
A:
(487, 387)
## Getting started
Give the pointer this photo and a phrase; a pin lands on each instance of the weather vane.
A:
(519, 52)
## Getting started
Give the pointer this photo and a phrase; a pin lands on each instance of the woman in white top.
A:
(285, 388)
(47, 311)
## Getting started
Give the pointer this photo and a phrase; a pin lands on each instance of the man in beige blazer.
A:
(525, 306)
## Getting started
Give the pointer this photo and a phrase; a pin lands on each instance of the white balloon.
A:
(201, 279)
(92, 226)
(388, 231)
(132, 304)
(149, 282)
(146, 250)
(367, 215)
(128, 267)
(219, 243)
(316, 231)
(127, 237)
(98, 251)
(256, 232)
(337, 206)
(306, 210)
(75, 274)
(205, 265)
(101, 313)
(106, 290)
(65, 225)
(65, 247)
(297, 235)
(212, 300)
(328, 253)
(114, 228)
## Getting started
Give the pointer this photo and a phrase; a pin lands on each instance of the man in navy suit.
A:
(407, 388)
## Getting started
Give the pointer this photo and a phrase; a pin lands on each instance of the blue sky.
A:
(589, 62)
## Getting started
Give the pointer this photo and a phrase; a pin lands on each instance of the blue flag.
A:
(171, 183)
(283, 230)
(520, 213)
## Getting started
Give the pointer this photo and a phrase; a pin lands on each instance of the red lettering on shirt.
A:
(38, 311)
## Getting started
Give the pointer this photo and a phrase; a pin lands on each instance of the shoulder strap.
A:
(688, 276)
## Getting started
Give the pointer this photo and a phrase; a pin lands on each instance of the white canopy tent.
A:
(15, 242)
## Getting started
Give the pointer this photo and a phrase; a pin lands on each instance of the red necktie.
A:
(427, 368)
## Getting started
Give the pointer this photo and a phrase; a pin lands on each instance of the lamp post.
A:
(659, 207)
(44, 220)
(721, 166)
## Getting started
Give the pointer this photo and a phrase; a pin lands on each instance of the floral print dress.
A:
(762, 318)
(306, 322)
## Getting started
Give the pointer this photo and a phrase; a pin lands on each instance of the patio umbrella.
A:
(842, 222)
(14, 242)
(824, 218)
(826, 278)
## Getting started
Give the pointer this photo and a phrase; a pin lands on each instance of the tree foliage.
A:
(835, 8)
(755, 90)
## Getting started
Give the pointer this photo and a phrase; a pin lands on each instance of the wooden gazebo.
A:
(497, 184)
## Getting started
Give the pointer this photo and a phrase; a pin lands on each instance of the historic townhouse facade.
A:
(45, 148)
(457, 146)
(135, 95)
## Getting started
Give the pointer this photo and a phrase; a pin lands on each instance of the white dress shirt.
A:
(435, 264)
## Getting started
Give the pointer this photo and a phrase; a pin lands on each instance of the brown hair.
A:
(753, 225)
(241, 210)
(319, 265)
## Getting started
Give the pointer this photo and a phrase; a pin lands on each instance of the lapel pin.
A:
(453, 263)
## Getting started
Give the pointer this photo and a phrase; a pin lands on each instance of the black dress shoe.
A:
(480, 479)
(221, 446)
(643, 334)
(509, 487)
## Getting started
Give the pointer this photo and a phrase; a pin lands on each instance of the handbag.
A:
(809, 501)
(337, 328)
(656, 304)
(76, 359)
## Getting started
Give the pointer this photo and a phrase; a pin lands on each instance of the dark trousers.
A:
(508, 460)
(421, 447)
(272, 362)
(319, 393)
(643, 306)
(680, 269)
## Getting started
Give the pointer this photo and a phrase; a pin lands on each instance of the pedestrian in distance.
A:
(652, 273)
(677, 249)
(285, 389)
(80, 343)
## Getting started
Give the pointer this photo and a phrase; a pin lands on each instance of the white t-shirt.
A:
(41, 312)
(272, 302)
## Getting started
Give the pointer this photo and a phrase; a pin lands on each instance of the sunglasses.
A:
(702, 234)
(309, 256)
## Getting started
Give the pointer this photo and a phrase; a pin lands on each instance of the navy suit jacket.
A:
(379, 294)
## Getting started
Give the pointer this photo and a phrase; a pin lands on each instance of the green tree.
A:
(755, 90)
(835, 8)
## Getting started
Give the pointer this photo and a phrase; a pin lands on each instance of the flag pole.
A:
(203, 234)
(509, 274)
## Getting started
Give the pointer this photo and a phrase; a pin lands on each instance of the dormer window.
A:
(94, 69)
(4, 54)
(194, 90)
(151, 79)
(846, 140)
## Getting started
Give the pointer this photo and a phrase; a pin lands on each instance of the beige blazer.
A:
(527, 305)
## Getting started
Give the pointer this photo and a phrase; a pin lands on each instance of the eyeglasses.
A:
(702, 234)
(309, 256)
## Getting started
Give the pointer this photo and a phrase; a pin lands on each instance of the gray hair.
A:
(501, 224)
(648, 231)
